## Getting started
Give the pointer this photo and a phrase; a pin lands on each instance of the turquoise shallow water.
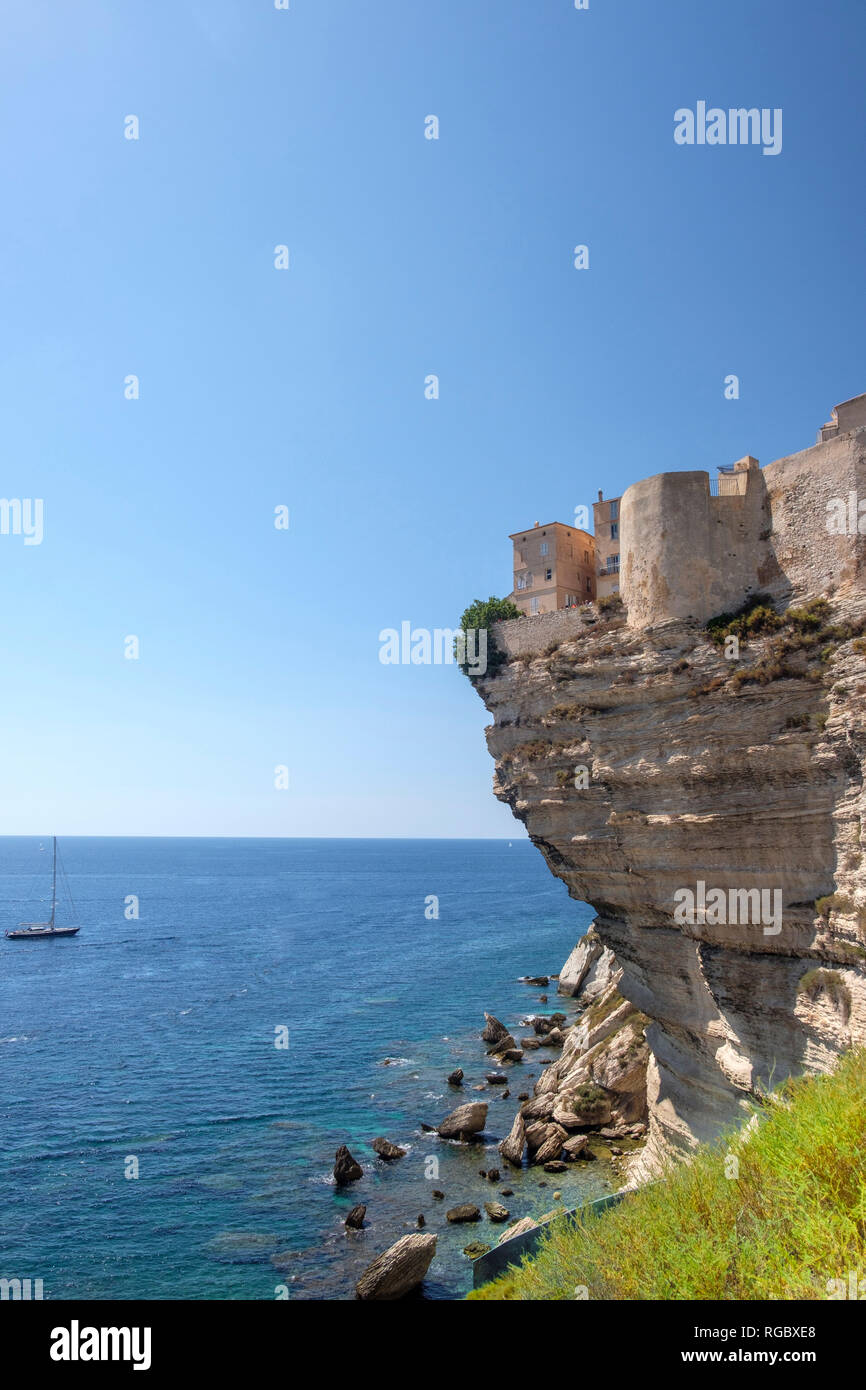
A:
(153, 1040)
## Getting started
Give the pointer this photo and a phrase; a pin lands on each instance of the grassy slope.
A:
(793, 1219)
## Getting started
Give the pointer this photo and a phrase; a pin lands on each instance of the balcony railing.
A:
(729, 485)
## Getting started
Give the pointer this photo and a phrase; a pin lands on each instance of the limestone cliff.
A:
(741, 773)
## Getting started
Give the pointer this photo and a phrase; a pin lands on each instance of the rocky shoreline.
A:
(589, 1102)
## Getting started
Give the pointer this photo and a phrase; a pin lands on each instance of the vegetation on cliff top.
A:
(480, 616)
(790, 1223)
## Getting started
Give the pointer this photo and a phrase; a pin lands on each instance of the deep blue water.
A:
(153, 1039)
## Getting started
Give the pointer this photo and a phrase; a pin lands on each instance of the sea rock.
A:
(495, 1078)
(439, 1196)
(494, 1031)
(552, 1146)
(455, 1077)
(385, 1149)
(465, 1120)
(536, 1133)
(575, 1145)
(465, 1212)
(541, 980)
(513, 1145)
(555, 1166)
(496, 1211)
(540, 1108)
(398, 1270)
(497, 1036)
(589, 968)
(530, 1044)
(475, 1249)
(421, 1219)
(346, 1169)
(518, 1229)
(493, 1175)
(355, 1219)
(511, 1054)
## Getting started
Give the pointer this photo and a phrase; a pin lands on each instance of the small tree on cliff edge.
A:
(482, 614)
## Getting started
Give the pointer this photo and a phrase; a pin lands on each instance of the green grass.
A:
(793, 1219)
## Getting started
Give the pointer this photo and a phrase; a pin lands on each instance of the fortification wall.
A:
(810, 558)
(686, 554)
(532, 636)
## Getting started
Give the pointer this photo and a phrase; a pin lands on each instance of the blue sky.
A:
(305, 387)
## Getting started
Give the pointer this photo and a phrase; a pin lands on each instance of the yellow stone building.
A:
(554, 567)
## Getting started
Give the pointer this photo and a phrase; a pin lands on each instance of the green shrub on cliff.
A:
(754, 619)
(480, 616)
(792, 1221)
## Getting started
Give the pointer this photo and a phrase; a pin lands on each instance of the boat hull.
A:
(38, 935)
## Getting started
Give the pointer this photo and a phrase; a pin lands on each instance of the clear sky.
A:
(305, 388)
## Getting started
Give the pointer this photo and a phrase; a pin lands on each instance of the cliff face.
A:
(741, 774)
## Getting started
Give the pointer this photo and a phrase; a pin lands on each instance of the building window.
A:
(533, 606)
(548, 574)
(544, 547)
(588, 586)
(586, 557)
(614, 530)
(613, 515)
(521, 581)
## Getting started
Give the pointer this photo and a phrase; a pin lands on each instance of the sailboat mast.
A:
(54, 884)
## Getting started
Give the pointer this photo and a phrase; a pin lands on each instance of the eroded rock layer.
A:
(644, 762)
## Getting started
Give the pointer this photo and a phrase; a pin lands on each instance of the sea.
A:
(176, 1079)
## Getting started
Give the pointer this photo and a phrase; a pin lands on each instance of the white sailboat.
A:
(29, 931)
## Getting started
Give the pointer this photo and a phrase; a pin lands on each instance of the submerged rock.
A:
(465, 1212)
(385, 1149)
(398, 1270)
(496, 1211)
(475, 1249)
